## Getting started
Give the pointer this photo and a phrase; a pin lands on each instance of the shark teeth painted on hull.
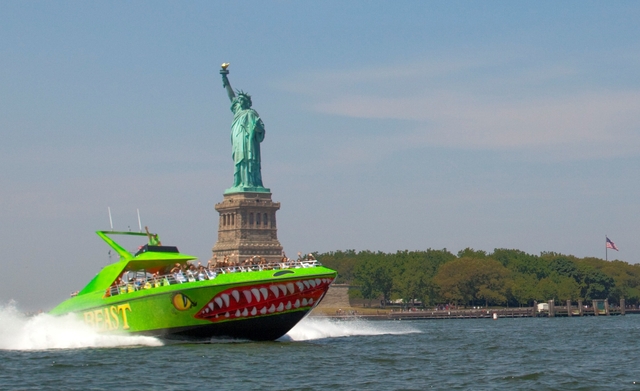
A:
(264, 299)
(235, 294)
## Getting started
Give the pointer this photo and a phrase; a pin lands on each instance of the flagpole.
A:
(606, 249)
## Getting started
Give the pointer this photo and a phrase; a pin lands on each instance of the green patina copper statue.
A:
(247, 132)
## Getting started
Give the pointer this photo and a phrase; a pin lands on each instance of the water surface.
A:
(45, 353)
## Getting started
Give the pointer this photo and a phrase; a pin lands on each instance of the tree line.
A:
(502, 278)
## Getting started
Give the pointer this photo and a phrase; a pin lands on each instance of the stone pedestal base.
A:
(247, 227)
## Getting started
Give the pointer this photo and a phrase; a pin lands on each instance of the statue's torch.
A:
(224, 72)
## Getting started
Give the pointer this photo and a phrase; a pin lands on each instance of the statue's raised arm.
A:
(225, 81)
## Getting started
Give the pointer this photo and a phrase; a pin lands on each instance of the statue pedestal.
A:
(247, 227)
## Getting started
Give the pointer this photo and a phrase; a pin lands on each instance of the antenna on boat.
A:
(110, 220)
(139, 222)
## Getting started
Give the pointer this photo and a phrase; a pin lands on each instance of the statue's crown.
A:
(243, 94)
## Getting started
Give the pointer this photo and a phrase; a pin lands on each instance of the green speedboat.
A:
(151, 293)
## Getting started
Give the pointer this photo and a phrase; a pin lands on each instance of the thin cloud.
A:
(458, 106)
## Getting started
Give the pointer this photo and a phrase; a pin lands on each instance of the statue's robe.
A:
(247, 132)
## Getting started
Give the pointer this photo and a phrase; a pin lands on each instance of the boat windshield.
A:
(157, 249)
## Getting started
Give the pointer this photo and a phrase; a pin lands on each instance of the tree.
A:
(546, 289)
(567, 288)
(563, 266)
(596, 285)
(343, 262)
(471, 253)
(415, 284)
(521, 262)
(375, 279)
(415, 270)
(473, 280)
(522, 288)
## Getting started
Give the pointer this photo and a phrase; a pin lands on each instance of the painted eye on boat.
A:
(182, 302)
(282, 272)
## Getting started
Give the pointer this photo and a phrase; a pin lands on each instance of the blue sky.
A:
(390, 126)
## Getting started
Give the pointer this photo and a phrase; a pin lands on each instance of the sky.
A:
(389, 126)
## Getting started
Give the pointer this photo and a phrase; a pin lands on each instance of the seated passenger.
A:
(177, 273)
(201, 272)
(231, 265)
(156, 279)
(192, 272)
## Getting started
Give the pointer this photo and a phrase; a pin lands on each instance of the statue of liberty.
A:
(247, 132)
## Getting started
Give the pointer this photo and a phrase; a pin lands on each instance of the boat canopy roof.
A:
(149, 258)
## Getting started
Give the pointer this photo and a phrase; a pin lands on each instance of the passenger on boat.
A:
(178, 274)
(210, 271)
(131, 286)
(156, 280)
(231, 265)
(192, 272)
(202, 272)
(154, 239)
(122, 287)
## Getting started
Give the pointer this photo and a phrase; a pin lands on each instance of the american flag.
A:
(611, 245)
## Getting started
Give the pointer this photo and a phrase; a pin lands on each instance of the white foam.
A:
(44, 331)
(316, 328)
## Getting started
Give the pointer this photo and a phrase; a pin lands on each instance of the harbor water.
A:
(592, 353)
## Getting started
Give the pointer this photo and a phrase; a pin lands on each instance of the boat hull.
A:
(268, 328)
(262, 305)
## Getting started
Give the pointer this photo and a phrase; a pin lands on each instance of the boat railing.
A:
(189, 276)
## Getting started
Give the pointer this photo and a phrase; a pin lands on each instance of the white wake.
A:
(44, 331)
(316, 328)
